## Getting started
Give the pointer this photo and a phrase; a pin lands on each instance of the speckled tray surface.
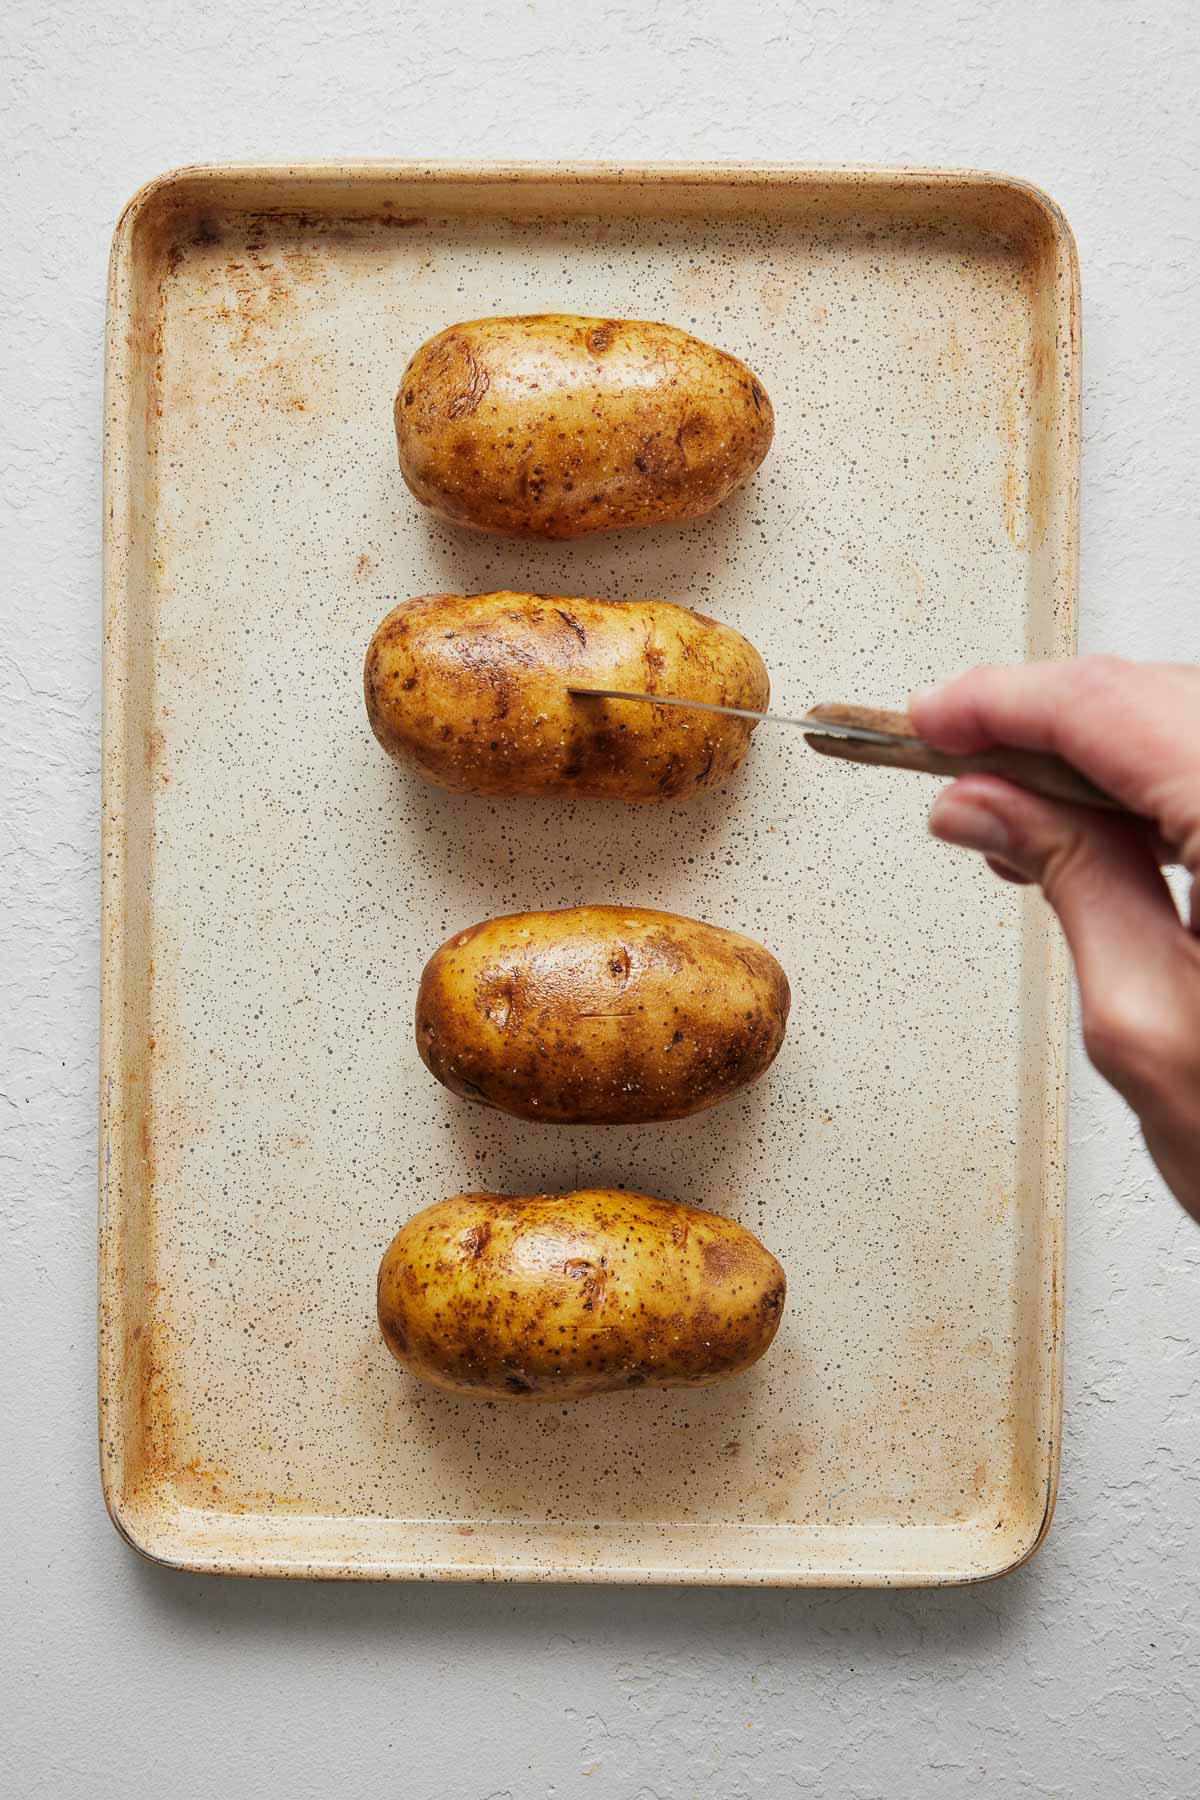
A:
(273, 885)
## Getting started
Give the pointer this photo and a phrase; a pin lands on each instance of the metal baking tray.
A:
(273, 885)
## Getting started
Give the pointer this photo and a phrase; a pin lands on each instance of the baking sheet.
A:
(273, 885)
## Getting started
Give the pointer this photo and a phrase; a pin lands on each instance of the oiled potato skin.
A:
(553, 425)
(599, 1015)
(471, 691)
(558, 1296)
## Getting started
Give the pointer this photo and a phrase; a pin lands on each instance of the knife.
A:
(868, 734)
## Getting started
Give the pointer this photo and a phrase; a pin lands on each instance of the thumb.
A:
(1101, 878)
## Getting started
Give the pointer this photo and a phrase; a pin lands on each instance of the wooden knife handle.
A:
(1037, 770)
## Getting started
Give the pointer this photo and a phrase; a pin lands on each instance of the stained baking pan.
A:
(272, 884)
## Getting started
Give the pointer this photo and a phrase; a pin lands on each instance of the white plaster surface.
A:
(1075, 1677)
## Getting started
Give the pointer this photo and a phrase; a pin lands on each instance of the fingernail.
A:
(919, 695)
(974, 827)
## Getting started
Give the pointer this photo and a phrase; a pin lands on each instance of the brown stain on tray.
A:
(259, 295)
(264, 291)
(151, 1454)
(1014, 481)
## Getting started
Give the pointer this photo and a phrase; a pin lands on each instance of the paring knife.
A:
(867, 734)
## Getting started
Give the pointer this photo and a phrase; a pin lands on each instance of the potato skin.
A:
(599, 1015)
(552, 425)
(558, 1296)
(471, 691)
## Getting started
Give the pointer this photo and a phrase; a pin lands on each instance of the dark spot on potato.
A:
(720, 1259)
(475, 383)
(496, 1002)
(572, 624)
(693, 426)
(475, 1239)
(771, 1303)
(600, 337)
(619, 963)
(608, 747)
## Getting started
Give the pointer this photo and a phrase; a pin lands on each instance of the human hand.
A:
(1134, 728)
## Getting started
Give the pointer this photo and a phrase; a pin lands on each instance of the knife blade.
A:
(868, 734)
(853, 733)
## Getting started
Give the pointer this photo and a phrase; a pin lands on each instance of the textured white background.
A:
(1075, 1677)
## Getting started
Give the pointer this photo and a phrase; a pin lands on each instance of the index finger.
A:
(1134, 728)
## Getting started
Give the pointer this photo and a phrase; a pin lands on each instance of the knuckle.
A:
(1100, 674)
(982, 679)
(1135, 1044)
(1109, 1036)
(1064, 861)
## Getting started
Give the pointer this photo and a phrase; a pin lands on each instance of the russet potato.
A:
(558, 1296)
(472, 692)
(554, 425)
(600, 1014)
